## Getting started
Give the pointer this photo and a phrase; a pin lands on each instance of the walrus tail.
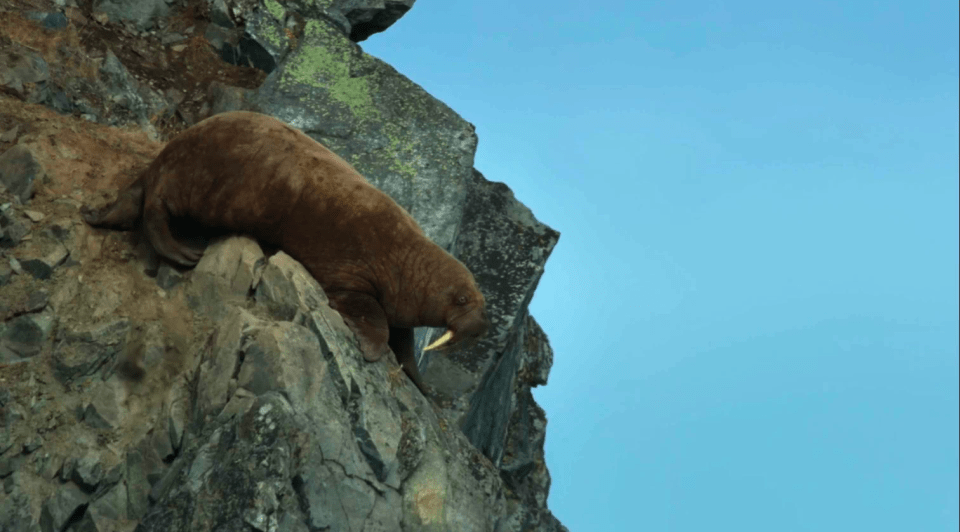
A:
(123, 213)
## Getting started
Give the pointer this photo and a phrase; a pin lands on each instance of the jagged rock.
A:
(87, 472)
(127, 100)
(48, 465)
(10, 135)
(26, 335)
(103, 411)
(37, 300)
(42, 267)
(21, 68)
(276, 422)
(11, 229)
(228, 270)
(168, 277)
(224, 98)
(400, 138)
(112, 504)
(286, 288)
(32, 444)
(19, 168)
(16, 512)
(178, 414)
(357, 18)
(495, 242)
(10, 464)
(142, 13)
(51, 21)
(59, 509)
(55, 21)
(5, 273)
(95, 521)
(83, 351)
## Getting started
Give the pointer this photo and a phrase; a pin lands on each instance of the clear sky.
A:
(753, 304)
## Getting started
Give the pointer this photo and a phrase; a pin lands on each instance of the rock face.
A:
(136, 396)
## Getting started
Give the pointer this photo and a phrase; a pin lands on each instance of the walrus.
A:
(249, 173)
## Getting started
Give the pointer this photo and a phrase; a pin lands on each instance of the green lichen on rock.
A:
(323, 61)
(402, 153)
(275, 9)
(271, 32)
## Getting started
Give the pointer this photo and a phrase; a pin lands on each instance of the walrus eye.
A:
(462, 300)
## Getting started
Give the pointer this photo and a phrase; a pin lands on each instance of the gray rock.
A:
(265, 41)
(32, 444)
(220, 13)
(334, 501)
(144, 470)
(142, 13)
(6, 272)
(506, 248)
(224, 98)
(178, 409)
(357, 18)
(82, 351)
(87, 472)
(369, 17)
(43, 267)
(403, 140)
(19, 68)
(104, 409)
(10, 135)
(61, 508)
(248, 53)
(112, 504)
(16, 510)
(19, 168)
(15, 266)
(168, 277)
(55, 21)
(25, 335)
(11, 230)
(48, 465)
(37, 300)
(286, 288)
(9, 464)
(126, 100)
(227, 272)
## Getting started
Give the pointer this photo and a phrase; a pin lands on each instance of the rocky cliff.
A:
(136, 396)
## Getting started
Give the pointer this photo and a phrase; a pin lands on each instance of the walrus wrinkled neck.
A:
(407, 299)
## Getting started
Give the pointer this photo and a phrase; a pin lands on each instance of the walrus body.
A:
(250, 173)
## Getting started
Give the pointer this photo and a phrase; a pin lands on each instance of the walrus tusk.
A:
(440, 341)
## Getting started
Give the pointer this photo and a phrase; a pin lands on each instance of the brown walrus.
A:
(251, 173)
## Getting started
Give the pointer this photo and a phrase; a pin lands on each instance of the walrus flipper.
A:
(401, 342)
(156, 224)
(121, 214)
(366, 318)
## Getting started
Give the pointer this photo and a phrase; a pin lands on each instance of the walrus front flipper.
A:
(401, 342)
(123, 213)
(366, 318)
(156, 224)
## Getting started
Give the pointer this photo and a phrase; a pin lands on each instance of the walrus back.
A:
(251, 173)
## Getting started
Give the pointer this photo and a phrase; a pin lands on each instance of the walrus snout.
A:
(465, 328)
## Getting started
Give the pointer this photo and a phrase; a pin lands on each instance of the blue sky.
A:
(754, 301)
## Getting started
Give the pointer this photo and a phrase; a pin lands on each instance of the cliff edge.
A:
(230, 396)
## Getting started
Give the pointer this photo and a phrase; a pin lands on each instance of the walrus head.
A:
(464, 314)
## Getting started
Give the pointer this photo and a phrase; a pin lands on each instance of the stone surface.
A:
(252, 408)
(83, 351)
(143, 13)
(19, 169)
(60, 508)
